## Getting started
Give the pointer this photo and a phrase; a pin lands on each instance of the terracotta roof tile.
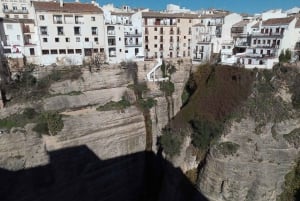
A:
(169, 15)
(277, 21)
(66, 8)
(297, 23)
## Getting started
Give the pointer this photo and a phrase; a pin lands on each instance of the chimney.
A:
(61, 3)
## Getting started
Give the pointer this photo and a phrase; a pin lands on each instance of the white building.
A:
(213, 33)
(15, 9)
(69, 33)
(275, 35)
(123, 28)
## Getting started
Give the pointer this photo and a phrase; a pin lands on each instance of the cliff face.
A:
(114, 135)
(259, 145)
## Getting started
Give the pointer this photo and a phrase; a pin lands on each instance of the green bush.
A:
(146, 104)
(41, 128)
(54, 121)
(29, 113)
(285, 56)
(167, 87)
(171, 143)
(227, 148)
(204, 132)
(120, 105)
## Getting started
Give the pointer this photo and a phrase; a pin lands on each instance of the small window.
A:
(78, 51)
(45, 51)
(86, 39)
(155, 45)
(96, 39)
(53, 51)
(178, 20)
(31, 50)
(77, 39)
(93, 18)
(184, 37)
(95, 50)
(45, 40)
(120, 39)
(155, 37)
(120, 50)
(155, 29)
(42, 17)
(67, 40)
(190, 21)
(16, 16)
(56, 40)
(62, 51)
(25, 16)
(126, 51)
(70, 51)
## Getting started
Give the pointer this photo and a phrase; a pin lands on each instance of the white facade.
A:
(123, 28)
(68, 37)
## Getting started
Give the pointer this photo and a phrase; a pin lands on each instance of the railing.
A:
(266, 46)
(129, 44)
(15, 11)
(133, 34)
(111, 33)
(267, 34)
(44, 33)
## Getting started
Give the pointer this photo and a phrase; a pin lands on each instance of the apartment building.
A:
(69, 33)
(15, 9)
(296, 50)
(123, 28)
(213, 35)
(168, 35)
(273, 36)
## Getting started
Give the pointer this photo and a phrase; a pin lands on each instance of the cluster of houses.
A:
(73, 33)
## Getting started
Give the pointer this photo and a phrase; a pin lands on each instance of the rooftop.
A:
(66, 8)
(277, 21)
(169, 15)
(297, 23)
(241, 23)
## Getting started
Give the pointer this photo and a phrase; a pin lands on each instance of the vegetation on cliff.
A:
(291, 187)
(47, 122)
(216, 91)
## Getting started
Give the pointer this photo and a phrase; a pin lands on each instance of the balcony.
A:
(137, 34)
(297, 46)
(111, 32)
(57, 22)
(133, 44)
(16, 11)
(44, 33)
(259, 34)
(242, 44)
(266, 46)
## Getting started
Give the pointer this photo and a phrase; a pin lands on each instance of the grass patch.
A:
(167, 87)
(112, 105)
(227, 148)
(146, 104)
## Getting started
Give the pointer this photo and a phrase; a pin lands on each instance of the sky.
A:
(241, 6)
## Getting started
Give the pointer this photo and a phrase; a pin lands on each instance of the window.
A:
(258, 42)
(62, 51)
(45, 40)
(67, 40)
(155, 45)
(24, 8)
(16, 16)
(43, 30)
(95, 50)
(96, 39)
(77, 39)
(264, 41)
(254, 51)
(190, 21)
(5, 7)
(88, 52)
(25, 16)
(126, 51)
(120, 50)
(249, 61)
(53, 51)
(70, 51)
(184, 37)
(60, 31)
(15, 7)
(86, 39)
(178, 20)
(57, 19)
(31, 50)
(42, 17)
(155, 37)
(56, 40)
(94, 31)
(78, 19)
(77, 30)
(254, 42)
(93, 18)
(155, 29)
(45, 51)
(78, 51)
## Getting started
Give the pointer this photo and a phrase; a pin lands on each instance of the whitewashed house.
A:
(69, 33)
(123, 28)
(274, 35)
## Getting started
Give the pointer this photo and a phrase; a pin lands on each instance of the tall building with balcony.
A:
(212, 33)
(168, 35)
(69, 33)
(16, 9)
(273, 36)
(123, 29)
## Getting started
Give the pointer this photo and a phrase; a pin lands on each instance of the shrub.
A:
(204, 132)
(167, 87)
(171, 143)
(120, 105)
(227, 148)
(54, 121)
(29, 113)
(41, 128)
(146, 104)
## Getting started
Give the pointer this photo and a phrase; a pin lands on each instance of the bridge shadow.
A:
(77, 174)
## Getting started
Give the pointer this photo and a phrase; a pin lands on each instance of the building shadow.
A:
(77, 174)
